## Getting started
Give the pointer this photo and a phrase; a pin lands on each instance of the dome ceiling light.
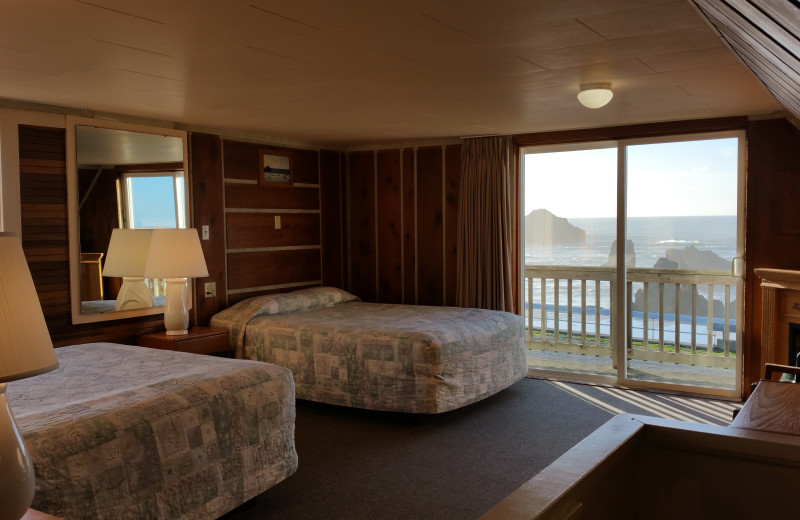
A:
(595, 95)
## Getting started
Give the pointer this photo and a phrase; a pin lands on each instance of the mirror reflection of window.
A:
(152, 200)
(123, 178)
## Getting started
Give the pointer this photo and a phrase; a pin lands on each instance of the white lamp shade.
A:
(25, 345)
(127, 252)
(595, 95)
(175, 253)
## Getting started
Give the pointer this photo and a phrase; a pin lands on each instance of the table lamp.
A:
(126, 257)
(25, 350)
(175, 255)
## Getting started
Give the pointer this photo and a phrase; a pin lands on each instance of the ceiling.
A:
(353, 73)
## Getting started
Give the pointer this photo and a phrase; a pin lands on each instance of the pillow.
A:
(302, 300)
(236, 317)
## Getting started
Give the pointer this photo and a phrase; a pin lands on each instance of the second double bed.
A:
(400, 358)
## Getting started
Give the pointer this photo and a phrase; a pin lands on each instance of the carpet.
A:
(357, 464)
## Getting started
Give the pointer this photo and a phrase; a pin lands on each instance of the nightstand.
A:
(199, 340)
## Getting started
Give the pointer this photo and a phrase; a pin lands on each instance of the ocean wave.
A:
(675, 241)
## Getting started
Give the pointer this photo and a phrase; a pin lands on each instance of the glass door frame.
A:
(619, 332)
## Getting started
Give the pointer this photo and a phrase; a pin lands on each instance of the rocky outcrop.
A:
(630, 254)
(698, 260)
(542, 228)
(687, 293)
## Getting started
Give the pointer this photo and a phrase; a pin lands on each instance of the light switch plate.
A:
(205, 233)
(277, 221)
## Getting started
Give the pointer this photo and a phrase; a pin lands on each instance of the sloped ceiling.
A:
(764, 34)
(350, 73)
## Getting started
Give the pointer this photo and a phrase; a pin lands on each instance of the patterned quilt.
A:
(128, 432)
(403, 358)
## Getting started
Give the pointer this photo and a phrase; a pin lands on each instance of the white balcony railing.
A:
(674, 316)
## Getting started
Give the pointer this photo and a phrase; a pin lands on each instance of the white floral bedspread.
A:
(404, 358)
(119, 431)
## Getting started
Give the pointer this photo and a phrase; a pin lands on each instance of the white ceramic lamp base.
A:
(176, 310)
(17, 480)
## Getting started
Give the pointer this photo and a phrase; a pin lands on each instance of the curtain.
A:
(487, 225)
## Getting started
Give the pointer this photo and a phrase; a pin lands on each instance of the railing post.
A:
(603, 278)
(583, 312)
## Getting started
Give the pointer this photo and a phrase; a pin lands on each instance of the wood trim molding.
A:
(632, 131)
(779, 278)
(768, 298)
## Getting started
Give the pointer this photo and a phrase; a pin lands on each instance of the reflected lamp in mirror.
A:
(126, 257)
(176, 255)
(25, 350)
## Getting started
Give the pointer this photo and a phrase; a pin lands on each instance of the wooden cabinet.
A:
(199, 340)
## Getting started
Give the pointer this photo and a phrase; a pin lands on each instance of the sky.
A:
(690, 178)
(154, 202)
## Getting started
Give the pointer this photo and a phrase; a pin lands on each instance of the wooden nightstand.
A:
(199, 340)
(33, 514)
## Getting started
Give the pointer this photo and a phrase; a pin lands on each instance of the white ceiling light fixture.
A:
(595, 95)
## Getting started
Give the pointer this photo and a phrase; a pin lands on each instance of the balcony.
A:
(681, 325)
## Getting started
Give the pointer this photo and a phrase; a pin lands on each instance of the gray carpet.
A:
(369, 465)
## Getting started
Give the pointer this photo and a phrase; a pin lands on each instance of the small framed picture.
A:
(276, 168)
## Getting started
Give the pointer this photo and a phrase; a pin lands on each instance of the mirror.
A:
(119, 175)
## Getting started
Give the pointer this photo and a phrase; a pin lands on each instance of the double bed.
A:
(398, 358)
(118, 431)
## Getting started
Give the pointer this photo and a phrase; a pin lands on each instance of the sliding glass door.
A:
(570, 231)
(662, 216)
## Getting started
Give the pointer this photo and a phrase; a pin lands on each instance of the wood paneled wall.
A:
(225, 195)
(262, 258)
(205, 165)
(399, 206)
(403, 220)
(45, 239)
(772, 232)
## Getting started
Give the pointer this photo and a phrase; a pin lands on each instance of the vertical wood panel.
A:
(409, 227)
(251, 230)
(241, 160)
(267, 268)
(772, 152)
(345, 229)
(362, 225)
(452, 176)
(253, 196)
(208, 206)
(305, 166)
(430, 230)
(332, 224)
(390, 266)
(251, 225)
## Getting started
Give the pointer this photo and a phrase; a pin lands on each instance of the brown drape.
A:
(487, 225)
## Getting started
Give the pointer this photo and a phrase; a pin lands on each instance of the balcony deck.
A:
(576, 308)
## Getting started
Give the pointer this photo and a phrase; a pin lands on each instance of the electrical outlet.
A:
(205, 233)
(211, 290)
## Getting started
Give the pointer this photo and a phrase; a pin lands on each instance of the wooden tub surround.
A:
(780, 296)
(641, 467)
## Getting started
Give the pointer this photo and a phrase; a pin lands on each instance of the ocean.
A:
(651, 236)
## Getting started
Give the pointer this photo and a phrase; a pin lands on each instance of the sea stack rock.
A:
(630, 254)
(542, 228)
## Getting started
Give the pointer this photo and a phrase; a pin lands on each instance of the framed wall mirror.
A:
(126, 176)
